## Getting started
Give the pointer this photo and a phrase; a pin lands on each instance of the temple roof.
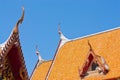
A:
(11, 49)
(41, 70)
(72, 55)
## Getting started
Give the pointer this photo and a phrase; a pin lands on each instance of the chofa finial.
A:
(22, 17)
(19, 21)
(59, 32)
(62, 37)
(38, 54)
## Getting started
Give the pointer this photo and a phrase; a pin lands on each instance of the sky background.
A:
(40, 26)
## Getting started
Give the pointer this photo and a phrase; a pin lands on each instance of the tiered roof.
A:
(71, 56)
(12, 51)
(41, 70)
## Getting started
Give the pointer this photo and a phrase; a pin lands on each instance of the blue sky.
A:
(40, 26)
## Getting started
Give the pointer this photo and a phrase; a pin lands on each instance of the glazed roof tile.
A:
(72, 55)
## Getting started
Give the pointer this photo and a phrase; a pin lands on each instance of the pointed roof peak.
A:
(19, 21)
(62, 37)
(39, 56)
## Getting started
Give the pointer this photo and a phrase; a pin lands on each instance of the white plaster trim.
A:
(63, 39)
(96, 33)
(40, 60)
(3, 44)
(54, 59)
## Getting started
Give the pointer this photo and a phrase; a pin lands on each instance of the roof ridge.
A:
(39, 65)
(50, 68)
(101, 32)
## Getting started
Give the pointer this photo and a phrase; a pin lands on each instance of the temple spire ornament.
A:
(12, 64)
(40, 60)
(62, 37)
(15, 30)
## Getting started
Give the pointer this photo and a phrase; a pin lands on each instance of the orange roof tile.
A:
(72, 55)
(41, 71)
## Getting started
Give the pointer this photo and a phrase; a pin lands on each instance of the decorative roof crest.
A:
(19, 21)
(39, 57)
(62, 37)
